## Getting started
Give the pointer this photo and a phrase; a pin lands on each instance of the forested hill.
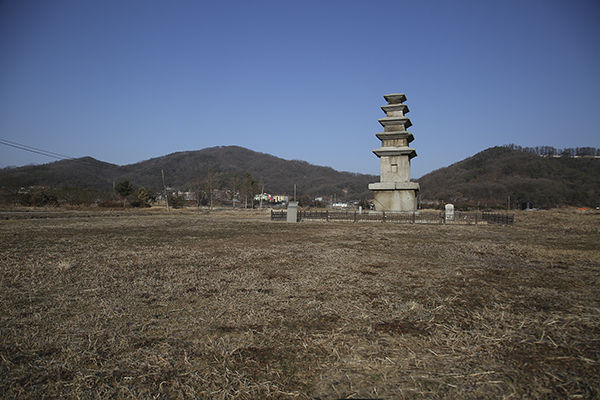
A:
(485, 179)
(491, 176)
(190, 170)
(84, 172)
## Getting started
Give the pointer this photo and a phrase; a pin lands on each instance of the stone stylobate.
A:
(395, 191)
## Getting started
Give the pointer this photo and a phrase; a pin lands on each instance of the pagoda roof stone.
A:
(396, 135)
(395, 98)
(391, 121)
(395, 107)
(395, 151)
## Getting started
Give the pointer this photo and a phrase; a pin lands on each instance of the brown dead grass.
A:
(230, 305)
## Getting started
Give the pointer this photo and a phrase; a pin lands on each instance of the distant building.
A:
(279, 198)
(265, 197)
(526, 205)
(340, 205)
(190, 196)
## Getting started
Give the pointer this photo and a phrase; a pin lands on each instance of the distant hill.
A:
(486, 179)
(489, 177)
(189, 170)
(78, 172)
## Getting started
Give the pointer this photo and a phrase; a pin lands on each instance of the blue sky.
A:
(124, 81)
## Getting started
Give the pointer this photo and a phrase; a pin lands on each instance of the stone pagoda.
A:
(395, 191)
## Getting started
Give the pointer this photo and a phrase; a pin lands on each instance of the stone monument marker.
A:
(395, 191)
(449, 212)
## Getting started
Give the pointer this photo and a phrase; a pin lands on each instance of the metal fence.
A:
(493, 218)
(417, 217)
(278, 215)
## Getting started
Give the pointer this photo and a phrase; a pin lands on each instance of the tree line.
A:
(239, 190)
(549, 151)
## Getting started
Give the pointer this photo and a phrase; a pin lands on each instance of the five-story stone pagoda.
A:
(395, 191)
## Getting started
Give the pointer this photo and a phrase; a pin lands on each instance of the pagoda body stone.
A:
(395, 191)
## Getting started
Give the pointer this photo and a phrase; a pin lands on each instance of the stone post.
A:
(292, 211)
(449, 212)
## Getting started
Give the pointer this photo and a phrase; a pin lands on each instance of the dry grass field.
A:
(233, 306)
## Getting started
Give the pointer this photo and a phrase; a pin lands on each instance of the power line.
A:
(36, 150)
(58, 156)
(43, 152)
(61, 157)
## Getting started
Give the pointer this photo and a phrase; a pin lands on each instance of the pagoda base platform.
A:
(395, 196)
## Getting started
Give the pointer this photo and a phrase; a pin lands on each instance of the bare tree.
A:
(209, 187)
(234, 188)
(249, 188)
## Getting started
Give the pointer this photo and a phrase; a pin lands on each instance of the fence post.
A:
(413, 217)
(476, 214)
(327, 215)
(354, 216)
(383, 216)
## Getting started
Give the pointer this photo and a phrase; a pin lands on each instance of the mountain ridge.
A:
(190, 169)
(491, 178)
(499, 175)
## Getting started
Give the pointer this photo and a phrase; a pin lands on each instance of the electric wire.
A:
(91, 162)
(61, 157)
(32, 149)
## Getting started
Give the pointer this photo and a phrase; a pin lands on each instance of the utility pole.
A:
(234, 189)
(261, 195)
(210, 191)
(294, 192)
(162, 171)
